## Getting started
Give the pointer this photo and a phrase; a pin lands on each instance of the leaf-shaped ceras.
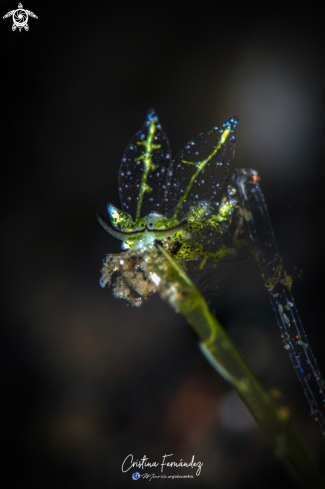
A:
(143, 170)
(200, 169)
(171, 204)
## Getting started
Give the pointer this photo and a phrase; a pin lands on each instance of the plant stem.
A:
(278, 284)
(180, 292)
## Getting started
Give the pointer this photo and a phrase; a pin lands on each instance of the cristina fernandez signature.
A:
(143, 463)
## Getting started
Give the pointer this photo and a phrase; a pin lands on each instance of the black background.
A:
(87, 380)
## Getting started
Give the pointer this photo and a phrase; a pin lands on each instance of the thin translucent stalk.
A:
(278, 284)
(177, 288)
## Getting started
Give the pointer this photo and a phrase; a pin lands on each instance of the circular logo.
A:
(136, 476)
(20, 17)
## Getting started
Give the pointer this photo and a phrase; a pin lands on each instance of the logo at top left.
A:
(20, 18)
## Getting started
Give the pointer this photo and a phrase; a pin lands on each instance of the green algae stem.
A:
(219, 349)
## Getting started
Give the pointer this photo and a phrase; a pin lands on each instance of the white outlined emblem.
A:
(20, 18)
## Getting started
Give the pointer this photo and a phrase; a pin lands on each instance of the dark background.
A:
(87, 380)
